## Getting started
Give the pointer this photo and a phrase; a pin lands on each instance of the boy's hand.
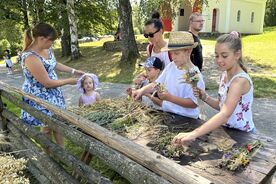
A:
(164, 95)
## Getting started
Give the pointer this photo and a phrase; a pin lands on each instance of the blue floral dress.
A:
(32, 86)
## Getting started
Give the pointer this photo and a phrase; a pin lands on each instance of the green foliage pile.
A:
(134, 120)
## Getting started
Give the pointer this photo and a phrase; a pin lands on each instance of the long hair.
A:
(234, 42)
(40, 29)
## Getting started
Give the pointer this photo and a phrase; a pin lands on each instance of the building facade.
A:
(223, 16)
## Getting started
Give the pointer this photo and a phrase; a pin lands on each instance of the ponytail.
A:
(242, 65)
(27, 39)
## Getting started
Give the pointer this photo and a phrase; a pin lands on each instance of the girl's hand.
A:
(199, 93)
(183, 138)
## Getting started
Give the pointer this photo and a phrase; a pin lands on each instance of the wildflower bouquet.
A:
(236, 158)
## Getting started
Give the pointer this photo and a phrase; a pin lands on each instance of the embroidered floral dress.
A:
(31, 85)
(242, 116)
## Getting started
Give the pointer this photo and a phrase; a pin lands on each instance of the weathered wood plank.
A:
(39, 175)
(144, 156)
(3, 121)
(127, 168)
(82, 169)
(45, 164)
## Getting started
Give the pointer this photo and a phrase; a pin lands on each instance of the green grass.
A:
(105, 64)
(259, 50)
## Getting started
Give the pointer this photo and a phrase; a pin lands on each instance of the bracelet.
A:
(73, 71)
(206, 98)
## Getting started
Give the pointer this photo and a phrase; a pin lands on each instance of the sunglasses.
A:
(151, 35)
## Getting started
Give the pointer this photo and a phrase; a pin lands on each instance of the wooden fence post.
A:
(3, 121)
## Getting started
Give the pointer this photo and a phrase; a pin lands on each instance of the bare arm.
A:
(80, 102)
(38, 71)
(98, 97)
(63, 68)
(236, 90)
(146, 89)
(184, 102)
(212, 102)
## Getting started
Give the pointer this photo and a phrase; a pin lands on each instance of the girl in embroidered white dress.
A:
(235, 95)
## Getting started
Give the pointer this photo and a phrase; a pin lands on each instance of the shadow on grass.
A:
(249, 61)
(264, 86)
(105, 64)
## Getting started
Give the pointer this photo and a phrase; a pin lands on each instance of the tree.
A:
(75, 49)
(129, 49)
(270, 13)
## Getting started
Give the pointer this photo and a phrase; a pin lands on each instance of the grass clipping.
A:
(134, 121)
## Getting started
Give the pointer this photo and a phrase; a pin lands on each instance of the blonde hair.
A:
(234, 42)
(194, 15)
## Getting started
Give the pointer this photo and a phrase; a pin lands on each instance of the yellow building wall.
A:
(227, 15)
(207, 13)
(246, 8)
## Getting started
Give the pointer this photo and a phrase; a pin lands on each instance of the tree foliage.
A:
(147, 7)
(93, 17)
(270, 13)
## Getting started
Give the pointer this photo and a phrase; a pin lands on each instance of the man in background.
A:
(196, 22)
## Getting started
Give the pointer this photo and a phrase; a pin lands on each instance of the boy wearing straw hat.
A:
(177, 96)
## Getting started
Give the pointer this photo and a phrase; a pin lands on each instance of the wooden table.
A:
(260, 169)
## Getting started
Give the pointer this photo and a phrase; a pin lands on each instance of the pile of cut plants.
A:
(152, 128)
(12, 170)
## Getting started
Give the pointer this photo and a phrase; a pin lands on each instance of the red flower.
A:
(248, 148)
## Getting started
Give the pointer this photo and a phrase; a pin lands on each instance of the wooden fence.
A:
(132, 161)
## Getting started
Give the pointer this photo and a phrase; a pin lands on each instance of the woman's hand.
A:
(183, 138)
(72, 81)
(78, 73)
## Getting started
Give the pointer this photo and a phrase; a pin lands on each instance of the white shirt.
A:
(172, 78)
(163, 56)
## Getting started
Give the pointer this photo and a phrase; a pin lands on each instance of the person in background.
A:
(39, 67)
(7, 58)
(235, 94)
(196, 25)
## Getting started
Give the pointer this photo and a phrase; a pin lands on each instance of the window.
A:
(252, 17)
(239, 16)
(181, 12)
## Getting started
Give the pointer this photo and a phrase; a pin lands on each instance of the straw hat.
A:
(180, 40)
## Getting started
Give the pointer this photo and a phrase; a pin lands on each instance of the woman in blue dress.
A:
(39, 65)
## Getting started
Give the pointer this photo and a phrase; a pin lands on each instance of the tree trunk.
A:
(129, 48)
(65, 32)
(25, 14)
(75, 50)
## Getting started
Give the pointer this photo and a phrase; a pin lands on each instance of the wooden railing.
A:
(132, 161)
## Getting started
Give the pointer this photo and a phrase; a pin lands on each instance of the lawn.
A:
(259, 51)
